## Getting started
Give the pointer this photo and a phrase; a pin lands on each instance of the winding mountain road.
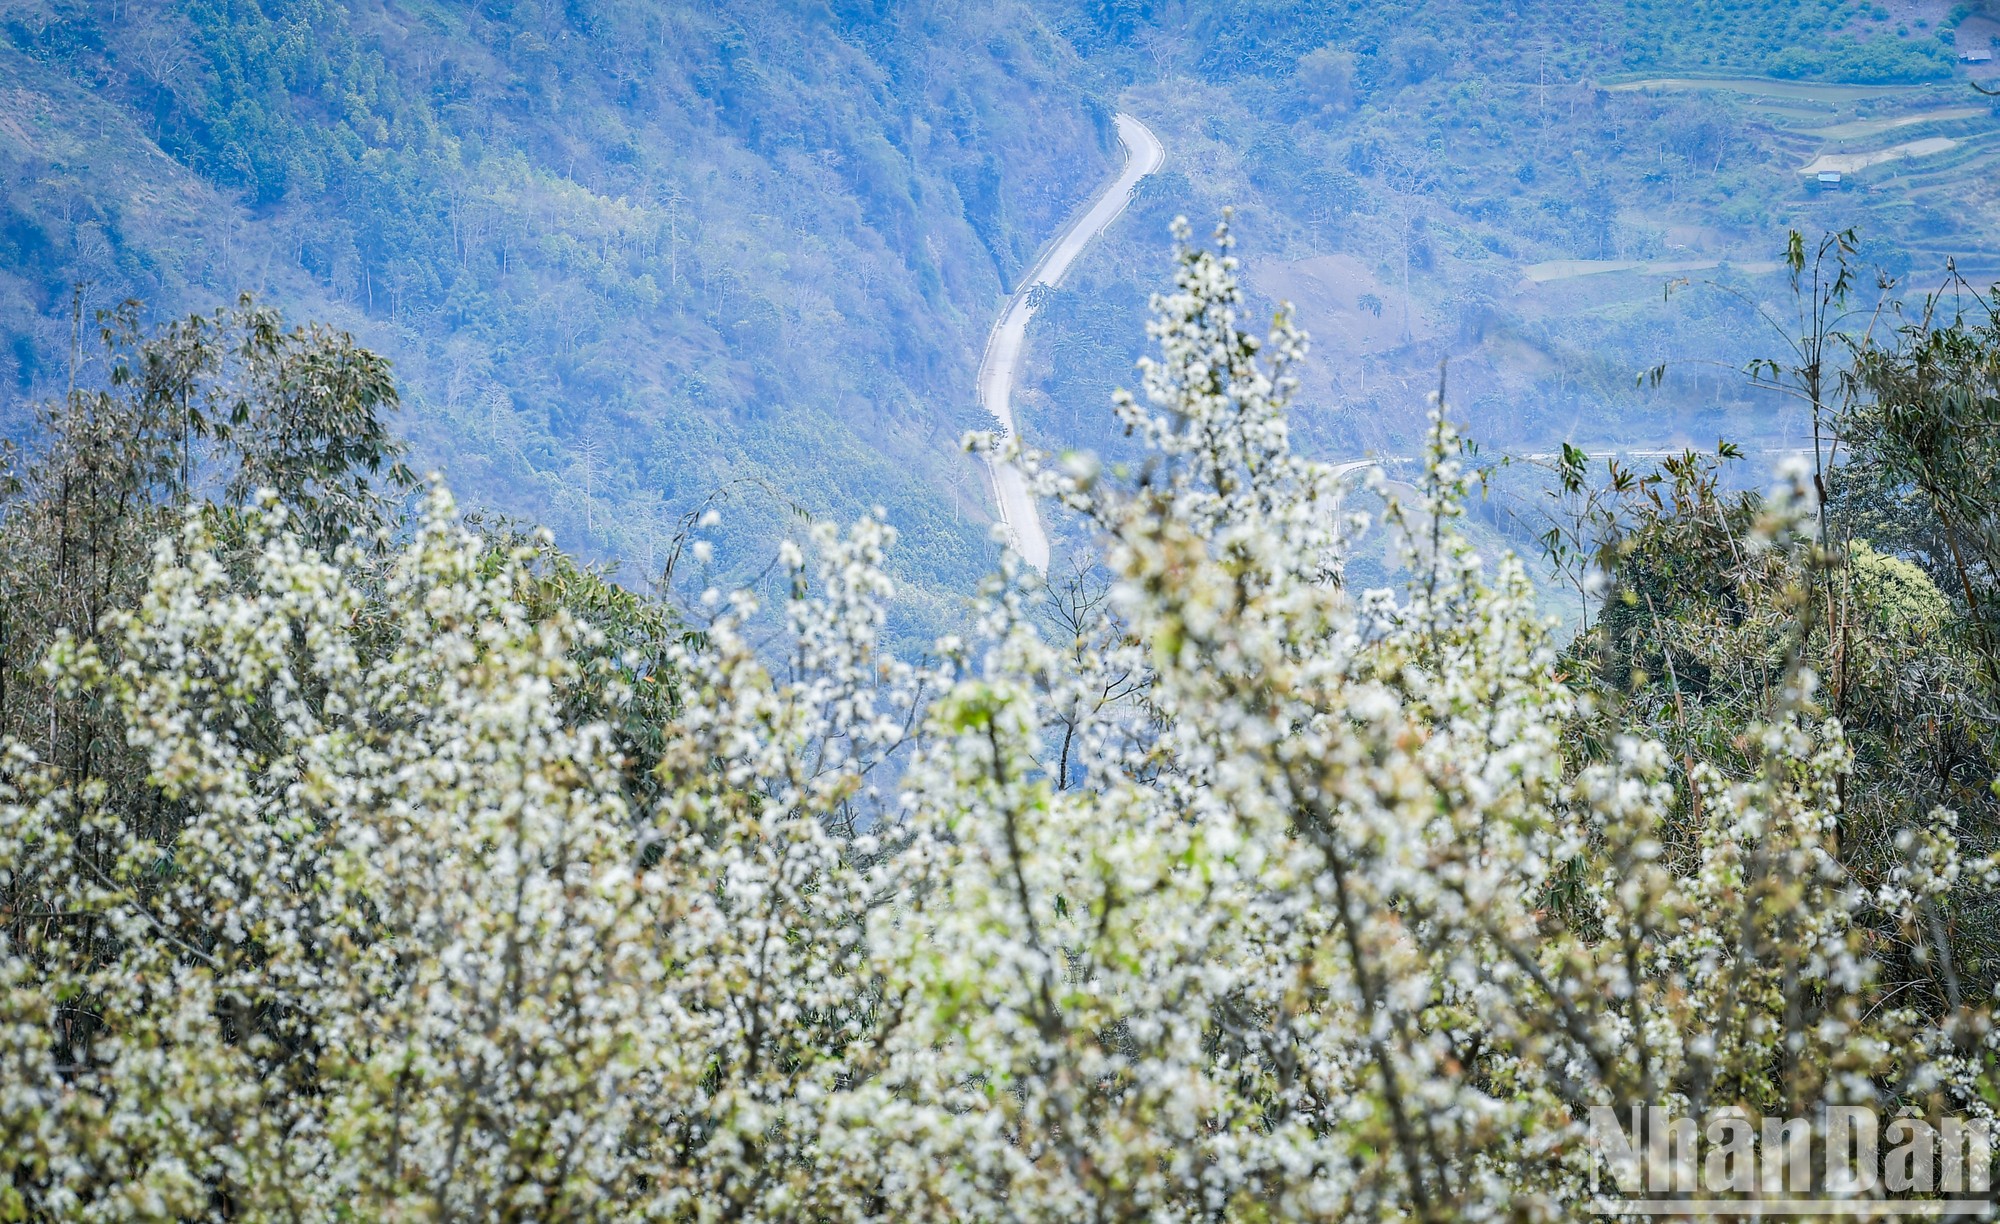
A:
(1143, 155)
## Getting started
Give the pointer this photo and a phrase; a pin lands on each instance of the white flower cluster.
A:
(1256, 900)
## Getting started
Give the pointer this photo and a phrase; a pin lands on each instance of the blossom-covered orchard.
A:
(1228, 893)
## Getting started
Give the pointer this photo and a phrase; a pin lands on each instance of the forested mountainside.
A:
(1553, 198)
(627, 258)
(1840, 40)
(623, 255)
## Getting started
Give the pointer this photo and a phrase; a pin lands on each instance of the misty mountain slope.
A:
(1549, 198)
(630, 257)
(624, 255)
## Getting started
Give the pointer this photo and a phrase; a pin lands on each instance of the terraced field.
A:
(1848, 163)
(1570, 269)
(1764, 87)
(1861, 129)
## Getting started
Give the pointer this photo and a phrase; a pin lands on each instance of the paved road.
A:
(1143, 155)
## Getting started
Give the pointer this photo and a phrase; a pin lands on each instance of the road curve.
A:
(1143, 155)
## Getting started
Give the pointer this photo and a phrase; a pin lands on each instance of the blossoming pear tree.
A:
(1246, 896)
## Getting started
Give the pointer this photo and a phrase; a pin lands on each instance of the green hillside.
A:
(624, 256)
(1547, 198)
(631, 261)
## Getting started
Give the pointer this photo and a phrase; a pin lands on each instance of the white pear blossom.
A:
(1228, 893)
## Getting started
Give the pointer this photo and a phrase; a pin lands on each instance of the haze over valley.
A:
(633, 261)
